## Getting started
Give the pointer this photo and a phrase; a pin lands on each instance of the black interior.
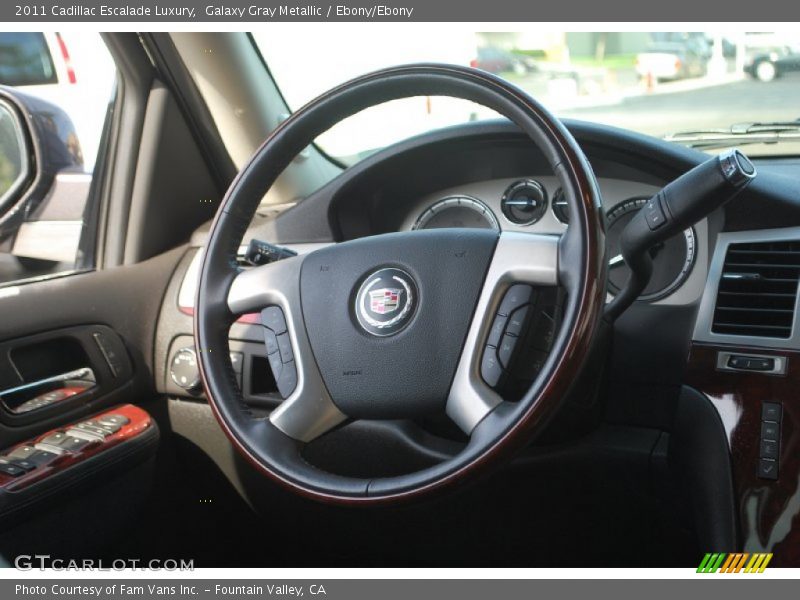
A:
(633, 470)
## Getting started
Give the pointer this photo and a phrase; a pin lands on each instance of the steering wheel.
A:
(394, 326)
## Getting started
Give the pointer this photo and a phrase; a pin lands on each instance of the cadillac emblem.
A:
(385, 302)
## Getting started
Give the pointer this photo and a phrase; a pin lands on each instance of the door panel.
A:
(59, 317)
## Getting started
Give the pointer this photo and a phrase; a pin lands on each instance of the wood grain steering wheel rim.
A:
(574, 261)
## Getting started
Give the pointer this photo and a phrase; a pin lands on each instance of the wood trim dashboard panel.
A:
(769, 510)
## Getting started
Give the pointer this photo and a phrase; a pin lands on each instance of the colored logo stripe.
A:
(734, 563)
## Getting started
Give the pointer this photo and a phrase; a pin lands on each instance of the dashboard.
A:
(536, 204)
(718, 324)
(479, 175)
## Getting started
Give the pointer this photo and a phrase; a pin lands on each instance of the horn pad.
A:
(387, 317)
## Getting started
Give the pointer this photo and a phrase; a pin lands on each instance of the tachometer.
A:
(672, 260)
(457, 211)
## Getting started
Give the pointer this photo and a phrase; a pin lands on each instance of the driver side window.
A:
(59, 86)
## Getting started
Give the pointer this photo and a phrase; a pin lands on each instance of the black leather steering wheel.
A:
(393, 326)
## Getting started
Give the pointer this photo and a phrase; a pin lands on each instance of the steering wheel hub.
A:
(385, 302)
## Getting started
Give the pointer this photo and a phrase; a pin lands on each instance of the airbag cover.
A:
(406, 372)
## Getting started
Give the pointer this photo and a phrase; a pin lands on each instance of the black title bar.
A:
(259, 11)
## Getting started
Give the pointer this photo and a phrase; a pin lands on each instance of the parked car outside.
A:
(670, 61)
(768, 64)
(497, 60)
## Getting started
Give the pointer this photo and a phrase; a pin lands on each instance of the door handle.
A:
(47, 391)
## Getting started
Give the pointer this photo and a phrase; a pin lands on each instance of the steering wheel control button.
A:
(287, 380)
(272, 318)
(271, 341)
(496, 332)
(506, 349)
(276, 364)
(543, 331)
(516, 321)
(516, 296)
(285, 348)
(385, 302)
(491, 371)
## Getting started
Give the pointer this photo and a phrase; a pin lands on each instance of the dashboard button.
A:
(771, 411)
(516, 296)
(496, 332)
(769, 449)
(751, 363)
(272, 318)
(769, 431)
(767, 468)
(491, 371)
(183, 369)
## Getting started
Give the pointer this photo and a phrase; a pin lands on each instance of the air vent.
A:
(758, 290)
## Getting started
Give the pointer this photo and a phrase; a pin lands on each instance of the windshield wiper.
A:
(739, 134)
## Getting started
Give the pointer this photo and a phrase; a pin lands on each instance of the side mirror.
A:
(16, 157)
(39, 150)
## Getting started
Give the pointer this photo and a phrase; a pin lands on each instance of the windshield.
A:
(697, 88)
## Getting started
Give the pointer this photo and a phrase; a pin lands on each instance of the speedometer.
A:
(672, 260)
(457, 211)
